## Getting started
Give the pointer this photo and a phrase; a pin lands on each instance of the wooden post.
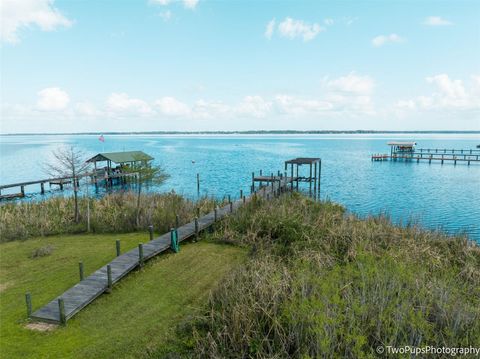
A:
(231, 207)
(310, 181)
(140, 254)
(229, 198)
(109, 279)
(319, 177)
(150, 231)
(244, 199)
(253, 182)
(117, 246)
(28, 301)
(80, 270)
(241, 194)
(215, 214)
(174, 240)
(61, 310)
(22, 190)
(42, 188)
(198, 211)
(177, 221)
(291, 170)
(196, 228)
(198, 184)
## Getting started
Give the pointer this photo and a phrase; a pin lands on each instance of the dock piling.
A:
(196, 228)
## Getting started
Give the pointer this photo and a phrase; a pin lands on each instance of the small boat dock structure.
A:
(65, 306)
(407, 151)
(292, 168)
(118, 168)
(125, 163)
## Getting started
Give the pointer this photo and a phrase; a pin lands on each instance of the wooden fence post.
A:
(196, 228)
(28, 301)
(61, 310)
(109, 279)
(215, 213)
(150, 231)
(177, 221)
(117, 246)
(140, 254)
(80, 269)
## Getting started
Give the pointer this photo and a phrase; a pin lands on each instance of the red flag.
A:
(101, 138)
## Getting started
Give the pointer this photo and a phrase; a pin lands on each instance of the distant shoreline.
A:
(261, 132)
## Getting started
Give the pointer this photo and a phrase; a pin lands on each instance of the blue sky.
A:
(69, 66)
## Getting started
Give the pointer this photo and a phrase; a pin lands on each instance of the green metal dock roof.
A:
(121, 157)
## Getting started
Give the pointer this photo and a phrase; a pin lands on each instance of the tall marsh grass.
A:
(323, 284)
(113, 213)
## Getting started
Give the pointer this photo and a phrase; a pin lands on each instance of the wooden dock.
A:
(406, 151)
(65, 306)
(61, 181)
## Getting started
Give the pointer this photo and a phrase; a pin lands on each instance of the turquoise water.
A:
(435, 195)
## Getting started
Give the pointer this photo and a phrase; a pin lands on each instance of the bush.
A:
(113, 213)
(322, 284)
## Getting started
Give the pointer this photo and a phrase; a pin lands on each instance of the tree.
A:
(69, 162)
(146, 173)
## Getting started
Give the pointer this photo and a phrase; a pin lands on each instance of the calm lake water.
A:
(435, 195)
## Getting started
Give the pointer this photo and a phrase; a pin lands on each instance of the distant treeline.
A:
(250, 132)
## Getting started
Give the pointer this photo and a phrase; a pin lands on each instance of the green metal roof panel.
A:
(121, 157)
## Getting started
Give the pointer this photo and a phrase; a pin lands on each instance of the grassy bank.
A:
(321, 284)
(113, 213)
(140, 313)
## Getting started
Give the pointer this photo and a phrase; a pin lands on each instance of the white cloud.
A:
(254, 106)
(190, 4)
(291, 28)
(436, 21)
(52, 99)
(270, 29)
(122, 103)
(352, 83)
(170, 106)
(161, 2)
(448, 94)
(210, 109)
(384, 39)
(19, 14)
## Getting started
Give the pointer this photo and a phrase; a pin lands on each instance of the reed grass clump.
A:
(113, 213)
(323, 284)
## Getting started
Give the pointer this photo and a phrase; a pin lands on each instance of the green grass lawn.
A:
(138, 316)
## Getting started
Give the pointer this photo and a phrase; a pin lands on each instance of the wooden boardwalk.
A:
(85, 292)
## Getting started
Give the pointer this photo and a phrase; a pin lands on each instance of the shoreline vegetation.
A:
(116, 212)
(320, 283)
(247, 132)
(288, 277)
